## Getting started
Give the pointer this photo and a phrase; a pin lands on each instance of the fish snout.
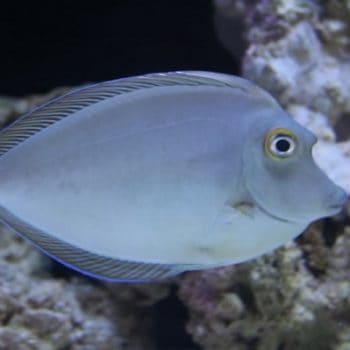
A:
(337, 199)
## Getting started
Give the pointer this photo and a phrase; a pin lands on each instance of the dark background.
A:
(70, 43)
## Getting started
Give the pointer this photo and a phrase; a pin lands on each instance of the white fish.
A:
(145, 177)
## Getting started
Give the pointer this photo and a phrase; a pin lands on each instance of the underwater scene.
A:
(175, 175)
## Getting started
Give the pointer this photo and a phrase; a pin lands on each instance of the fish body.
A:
(145, 177)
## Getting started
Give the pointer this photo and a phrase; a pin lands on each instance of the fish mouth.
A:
(275, 217)
(335, 208)
(330, 210)
(339, 203)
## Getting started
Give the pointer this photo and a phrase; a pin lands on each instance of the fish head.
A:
(280, 173)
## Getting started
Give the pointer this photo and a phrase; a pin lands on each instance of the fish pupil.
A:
(283, 145)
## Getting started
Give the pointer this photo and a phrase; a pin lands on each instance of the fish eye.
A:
(280, 143)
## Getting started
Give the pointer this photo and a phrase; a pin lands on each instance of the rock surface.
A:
(39, 311)
(296, 298)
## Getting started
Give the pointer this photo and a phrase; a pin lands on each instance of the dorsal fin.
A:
(91, 264)
(75, 100)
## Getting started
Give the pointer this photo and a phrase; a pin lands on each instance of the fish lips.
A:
(336, 203)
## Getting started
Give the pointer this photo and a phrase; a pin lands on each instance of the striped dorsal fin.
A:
(75, 100)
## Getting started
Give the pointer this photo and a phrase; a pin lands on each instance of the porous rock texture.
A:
(39, 311)
(297, 297)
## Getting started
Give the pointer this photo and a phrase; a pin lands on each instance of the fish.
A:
(142, 178)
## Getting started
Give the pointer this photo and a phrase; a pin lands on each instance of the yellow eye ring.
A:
(280, 143)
